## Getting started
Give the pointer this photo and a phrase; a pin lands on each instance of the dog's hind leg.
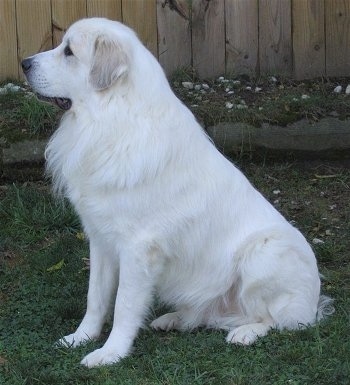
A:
(247, 334)
(279, 284)
(183, 319)
(167, 322)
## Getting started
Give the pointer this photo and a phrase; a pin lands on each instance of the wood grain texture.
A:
(142, 17)
(308, 38)
(64, 13)
(174, 34)
(8, 40)
(275, 37)
(337, 37)
(208, 37)
(242, 36)
(33, 38)
(111, 9)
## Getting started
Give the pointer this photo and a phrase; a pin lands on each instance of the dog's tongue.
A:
(63, 103)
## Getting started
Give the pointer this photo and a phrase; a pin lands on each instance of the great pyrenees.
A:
(163, 210)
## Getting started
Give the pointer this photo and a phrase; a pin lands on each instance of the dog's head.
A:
(93, 56)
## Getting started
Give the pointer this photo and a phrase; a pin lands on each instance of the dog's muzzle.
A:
(63, 103)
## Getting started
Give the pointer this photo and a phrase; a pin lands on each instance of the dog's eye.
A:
(68, 51)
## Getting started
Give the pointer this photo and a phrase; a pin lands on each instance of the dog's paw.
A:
(100, 357)
(73, 340)
(247, 334)
(167, 322)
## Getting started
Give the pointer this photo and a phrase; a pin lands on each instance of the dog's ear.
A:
(109, 63)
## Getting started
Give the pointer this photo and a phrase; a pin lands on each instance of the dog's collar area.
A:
(63, 103)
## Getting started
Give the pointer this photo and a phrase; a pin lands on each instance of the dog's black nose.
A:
(26, 65)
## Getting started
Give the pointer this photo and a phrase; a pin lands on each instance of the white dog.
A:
(164, 211)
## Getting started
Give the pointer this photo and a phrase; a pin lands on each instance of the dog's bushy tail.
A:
(325, 307)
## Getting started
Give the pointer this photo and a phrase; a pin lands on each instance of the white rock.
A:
(248, 88)
(228, 105)
(230, 92)
(258, 89)
(273, 79)
(276, 192)
(317, 241)
(197, 87)
(9, 87)
(188, 85)
(236, 82)
(347, 90)
(337, 89)
(305, 97)
(205, 86)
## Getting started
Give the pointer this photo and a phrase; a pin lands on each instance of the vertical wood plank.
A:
(112, 9)
(208, 37)
(308, 38)
(275, 37)
(242, 36)
(33, 38)
(8, 40)
(174, 34)
(142, 17)
(64, 13)
(337, 37)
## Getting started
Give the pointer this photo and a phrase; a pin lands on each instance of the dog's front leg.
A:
(137, 277)
(102, 288)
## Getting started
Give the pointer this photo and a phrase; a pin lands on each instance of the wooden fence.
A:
(296, 38)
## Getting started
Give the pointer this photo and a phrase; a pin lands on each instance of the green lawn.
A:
(43, 284)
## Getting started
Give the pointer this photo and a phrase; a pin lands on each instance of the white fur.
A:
(164, 211)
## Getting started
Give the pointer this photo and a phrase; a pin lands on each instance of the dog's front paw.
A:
(73, 340)
(100, 357)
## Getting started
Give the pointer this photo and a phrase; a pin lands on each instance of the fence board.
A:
(112, 9)
(337, 37)
(33, 38)
(142, 17)
(275, 36)
(208, 37)
(64, 13)
(8, 41)
(242, 36)
(308, 38)
(302, 38)
(174, 34)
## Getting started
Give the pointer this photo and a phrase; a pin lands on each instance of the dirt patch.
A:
(271, 100)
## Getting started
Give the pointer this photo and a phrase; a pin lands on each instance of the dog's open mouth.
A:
(63, 103)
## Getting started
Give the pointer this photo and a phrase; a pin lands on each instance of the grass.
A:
(43, 284)
(23, 116)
